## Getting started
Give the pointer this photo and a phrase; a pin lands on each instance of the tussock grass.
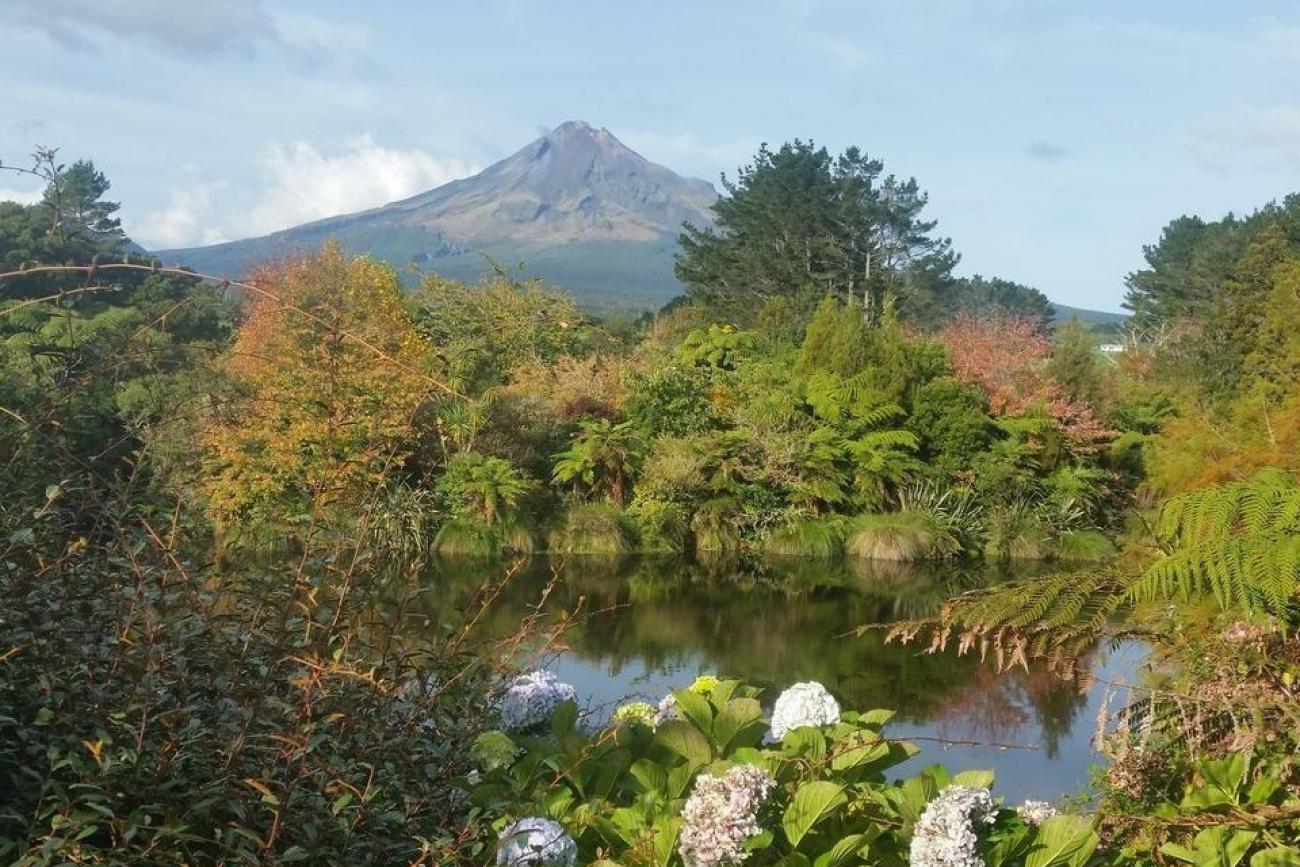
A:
(817, 539)
(593, 528)
(900, 536)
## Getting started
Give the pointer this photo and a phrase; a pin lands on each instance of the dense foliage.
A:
(219, 500)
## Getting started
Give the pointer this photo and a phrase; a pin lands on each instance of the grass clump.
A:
(1084, 546)
(811, 538)
(593, 528)
(900, 536)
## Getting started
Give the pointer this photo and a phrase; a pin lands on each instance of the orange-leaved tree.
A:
(331, 373)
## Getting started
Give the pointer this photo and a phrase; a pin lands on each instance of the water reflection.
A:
(650, 624)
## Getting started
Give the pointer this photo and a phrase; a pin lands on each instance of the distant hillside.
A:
(1091, 317)
(577, 207)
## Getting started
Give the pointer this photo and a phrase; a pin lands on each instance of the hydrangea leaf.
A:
(858, 748)
(810, 804)
(845, 851)
(977, 779)
(685, 740)
(1063, 841)
(735, 716)
(695, 708)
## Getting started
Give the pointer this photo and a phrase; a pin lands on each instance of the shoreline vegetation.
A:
(219, 499)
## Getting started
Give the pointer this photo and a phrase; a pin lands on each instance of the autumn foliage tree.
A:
(331, 373)
(1008, 357)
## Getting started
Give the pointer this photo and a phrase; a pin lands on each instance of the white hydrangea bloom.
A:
(945, 835)
(1036, 812)
(535, 842)
(720, 815)
(531, 699)
(667, 710)
(804, 704)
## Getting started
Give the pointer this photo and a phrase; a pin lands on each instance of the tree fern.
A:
(1237, 543)
(1055, 619)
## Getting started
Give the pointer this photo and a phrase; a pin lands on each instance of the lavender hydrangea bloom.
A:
(804, 704)
(945, 834)
(1035, 812)
(536, 842)
(667, 710)
(531, 699)
(720, 815)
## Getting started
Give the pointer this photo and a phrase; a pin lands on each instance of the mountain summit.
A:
(576, 207)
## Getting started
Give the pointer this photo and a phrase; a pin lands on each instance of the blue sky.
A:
(1055, 138)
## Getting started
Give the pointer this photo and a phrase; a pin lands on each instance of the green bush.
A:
(593, 528)
(902, 536)
(818, 539)
(641, 793)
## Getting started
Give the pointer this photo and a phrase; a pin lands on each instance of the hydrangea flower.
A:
(635, 712)
(493, 749)
(531, 698)
(720, 815)
(945, 834)
(667, 710)
(802, 705)
(535, 842)
(1035, 812)
(704, 685)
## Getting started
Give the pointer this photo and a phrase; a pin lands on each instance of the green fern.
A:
(1237, 543)
(1055, 619)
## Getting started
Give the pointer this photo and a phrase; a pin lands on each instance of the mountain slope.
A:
(576, 207)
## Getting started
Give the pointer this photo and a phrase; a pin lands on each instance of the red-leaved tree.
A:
(1007, 357)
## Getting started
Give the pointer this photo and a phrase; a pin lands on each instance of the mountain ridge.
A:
(575, 207)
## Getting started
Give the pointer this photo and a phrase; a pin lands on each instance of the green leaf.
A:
(978, 779)
(666, 839)
(842, 852)
(875, 718)
(858, 748)
(695, 708)
(651, 775)
(685, 739)
(564, 719)
(1281, 856)
(810, 804)
(1063, 841)
(1217, 846)
(735, 716)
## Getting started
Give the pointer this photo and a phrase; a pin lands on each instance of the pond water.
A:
(645, 626)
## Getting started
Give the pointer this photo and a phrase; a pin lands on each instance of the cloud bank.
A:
(300, 184)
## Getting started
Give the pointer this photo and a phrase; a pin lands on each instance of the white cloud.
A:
(22, 197)
(307, 185)
(1258, 137)
(195, 29)
(185, 222)
(844, 53)
(300, 184)
(211, 27)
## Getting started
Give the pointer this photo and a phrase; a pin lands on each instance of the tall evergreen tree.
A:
(800, 225)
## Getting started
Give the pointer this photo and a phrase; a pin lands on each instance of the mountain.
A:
(576, 207)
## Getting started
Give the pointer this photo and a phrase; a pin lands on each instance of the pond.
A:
(645, 626)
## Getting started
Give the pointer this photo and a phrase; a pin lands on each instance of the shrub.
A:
(593, 528)
(661, 525)
(706, 783)
(903, 536)
(820, 539)
(1084, 546)
(467, 537)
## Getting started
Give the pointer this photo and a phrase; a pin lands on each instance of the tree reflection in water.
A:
(775, 624)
